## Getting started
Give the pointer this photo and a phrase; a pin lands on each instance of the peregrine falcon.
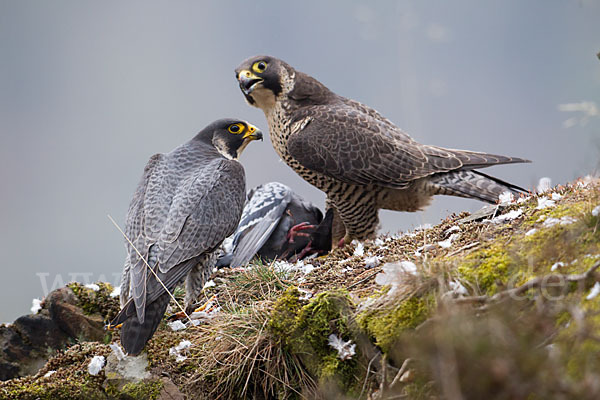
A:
(272, 227)
(187, 202)
(361, 160)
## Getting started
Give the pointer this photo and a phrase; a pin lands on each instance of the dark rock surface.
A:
(31, 340)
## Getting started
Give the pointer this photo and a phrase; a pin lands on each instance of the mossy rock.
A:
(98, 302)
(69, 379)
(145, 389)
(303, 327)
(386, 322)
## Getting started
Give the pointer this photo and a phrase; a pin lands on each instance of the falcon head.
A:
(262, 79)
(265, 80)
(230, 136)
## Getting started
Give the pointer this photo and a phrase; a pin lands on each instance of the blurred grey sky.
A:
(90, 90)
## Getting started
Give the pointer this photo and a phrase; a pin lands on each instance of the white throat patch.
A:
(242, 147)
(263, 98)
(266, 100)
(221, 147)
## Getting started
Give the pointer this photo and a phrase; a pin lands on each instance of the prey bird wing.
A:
(352, 144)
(261, 215)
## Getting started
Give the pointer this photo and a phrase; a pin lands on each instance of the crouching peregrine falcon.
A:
(361, 160)
(187, 202)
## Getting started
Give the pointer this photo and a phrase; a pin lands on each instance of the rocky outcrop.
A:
(28, 343)
(64, 309)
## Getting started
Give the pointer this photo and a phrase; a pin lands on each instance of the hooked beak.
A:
(253, 133)
(248, 81)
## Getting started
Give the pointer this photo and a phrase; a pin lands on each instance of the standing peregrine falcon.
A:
(361, 160)
(187, 202)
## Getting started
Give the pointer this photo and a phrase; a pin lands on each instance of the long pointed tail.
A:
(135, 335)
(472, 184)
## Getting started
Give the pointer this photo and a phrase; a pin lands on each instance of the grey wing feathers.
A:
(353, 143)
(155, 290)
(204, 211)
(184, 214)
(136, 233)
(261, 215)
(124, 295)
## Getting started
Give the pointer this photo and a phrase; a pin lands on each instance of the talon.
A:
(181, 314)
(308, 250)
(178, 315)
(205, 305)
(110, 327)
(296, 231)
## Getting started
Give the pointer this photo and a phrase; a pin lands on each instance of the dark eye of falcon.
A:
(235, 128)
(259, 66)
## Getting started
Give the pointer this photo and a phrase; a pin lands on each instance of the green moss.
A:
(564, 243)
(579, 351)
(96, 301)
(516, 260)
(566, 210)
(486, 268)
(78, 386)
(283, 318)
(304, 328)
(142, 390)
(64, 390)
(386, 324)
(328, 313)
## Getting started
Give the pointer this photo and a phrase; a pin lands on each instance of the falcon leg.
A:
(208, 305)
(338, 230)
(197, 277)
(360, 217)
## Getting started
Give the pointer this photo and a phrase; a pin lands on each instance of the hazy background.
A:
(90, 90)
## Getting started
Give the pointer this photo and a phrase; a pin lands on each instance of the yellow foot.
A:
(207, 304)
(113, 327)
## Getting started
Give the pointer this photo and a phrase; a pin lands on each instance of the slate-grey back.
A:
(187, 202)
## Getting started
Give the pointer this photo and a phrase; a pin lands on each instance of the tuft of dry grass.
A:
(238, 358)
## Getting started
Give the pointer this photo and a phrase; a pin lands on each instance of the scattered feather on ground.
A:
(96, 364)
